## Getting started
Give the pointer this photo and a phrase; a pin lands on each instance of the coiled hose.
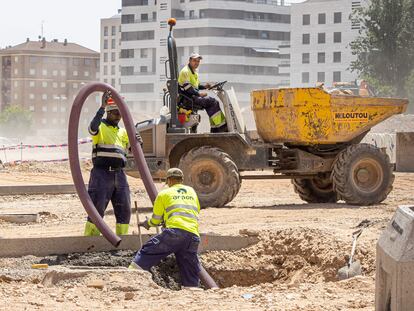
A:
(136, 151)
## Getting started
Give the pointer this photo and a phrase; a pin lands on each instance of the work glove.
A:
(144, 224)
(106, 95)
(139, 139)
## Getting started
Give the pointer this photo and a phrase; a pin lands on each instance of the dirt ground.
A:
(293, 267)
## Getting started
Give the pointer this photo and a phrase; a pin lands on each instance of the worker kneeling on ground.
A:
(108, 181)
(178, 207)
(189, 85)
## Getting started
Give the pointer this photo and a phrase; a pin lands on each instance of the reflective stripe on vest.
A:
(182, 214)
(110, 142)
(187, 76)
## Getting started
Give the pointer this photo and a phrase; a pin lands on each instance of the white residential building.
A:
(238, 39)
(110, 50)
(321, 31)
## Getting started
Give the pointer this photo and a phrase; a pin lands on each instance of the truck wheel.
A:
(212, 174)
(315, 190)
(362, 175)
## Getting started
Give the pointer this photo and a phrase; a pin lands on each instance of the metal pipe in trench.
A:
(137, 152)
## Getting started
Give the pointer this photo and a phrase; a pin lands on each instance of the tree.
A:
(385, 47)
(15, 121)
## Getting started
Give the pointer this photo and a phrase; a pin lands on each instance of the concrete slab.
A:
(79, 244)
(405, 152)
(37, 189)
(20, 218)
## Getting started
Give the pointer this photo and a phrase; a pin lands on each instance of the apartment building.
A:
(44, 78)
(321, 31)
(238, 39)
(110, 50)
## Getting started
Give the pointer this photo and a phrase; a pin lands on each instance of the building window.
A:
(76, 61)
(154, 16)
(44, 108)
(105, 30)
(44, 84)
(305, 58)
(337, 37)
(321, 57)
(338, 17)
(321, 37)
(16, 96)
(306, 19)
(113, 44)
(144, 17)
(16, 71)
(192, 15)
(113, 82)
(32, 72)
(105, 44)
(54, 73)
(105, 57)
(86, 73)
(55, 85)
(321, 77)
(105, 71)
(32, 84)
(63, 73)
(321, 18)
(62, 84)
(113, 30)
(112, 69)
(337, 57)
(144, 69)
(113, 57)
(16, 59)
(305, 77)
(144, 53)
(306, 38)
(127, 53)
(16, 83)
(44, 96)
(31, 96)
(336, 76)
(75, 85)
(44, 72)
(75, 73)
(31, 108)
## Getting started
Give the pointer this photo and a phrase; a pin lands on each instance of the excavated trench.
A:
(290, 256)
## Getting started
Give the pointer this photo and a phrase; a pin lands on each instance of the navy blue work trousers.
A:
(105, 186)
(183, 244)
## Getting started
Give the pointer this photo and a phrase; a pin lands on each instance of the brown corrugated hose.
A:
(137, 152)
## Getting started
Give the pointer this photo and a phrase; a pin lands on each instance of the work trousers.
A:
(106, 185)
(183, 244)
(212, 107)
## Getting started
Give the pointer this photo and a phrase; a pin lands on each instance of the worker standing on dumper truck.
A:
(189, 85)
(178, 208)
(108, 181)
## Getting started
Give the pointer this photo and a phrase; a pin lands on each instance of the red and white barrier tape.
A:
(25, 146)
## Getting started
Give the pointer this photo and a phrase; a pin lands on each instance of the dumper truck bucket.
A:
(308, 116)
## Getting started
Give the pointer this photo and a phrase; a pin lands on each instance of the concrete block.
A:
(395, 263)
(37, 189)
(405, 152)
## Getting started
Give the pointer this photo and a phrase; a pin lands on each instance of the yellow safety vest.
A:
(110, 146)
(188, 78)
(178, 207)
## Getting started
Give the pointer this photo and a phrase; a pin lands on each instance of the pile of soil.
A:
(290, 256)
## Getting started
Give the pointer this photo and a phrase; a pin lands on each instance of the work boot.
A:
(122, 229)
(91, 230)
(134, 266)
(221, 129)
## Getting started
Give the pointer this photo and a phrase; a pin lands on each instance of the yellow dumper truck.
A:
(304, 134)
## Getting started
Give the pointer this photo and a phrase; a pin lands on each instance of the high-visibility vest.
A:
(188, 78)
(178, 207)
(110, 146)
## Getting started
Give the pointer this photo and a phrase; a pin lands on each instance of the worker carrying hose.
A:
(108, 181)
(189, 85)
(178, 208)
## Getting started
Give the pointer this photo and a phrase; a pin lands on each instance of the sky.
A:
(76, 20)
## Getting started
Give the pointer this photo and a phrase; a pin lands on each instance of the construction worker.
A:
(178, 208)
(189, 85)
(108, 181)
